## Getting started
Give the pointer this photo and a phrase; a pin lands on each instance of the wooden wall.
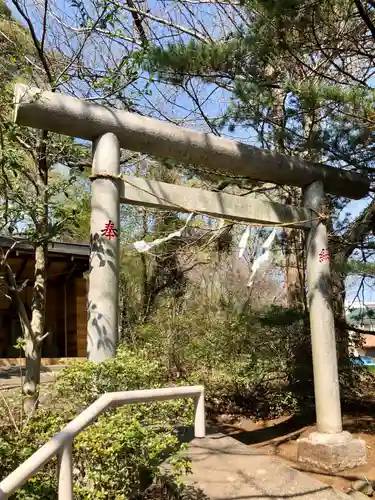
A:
(53, 327)
(71, 318)
(60, 320)
(81, 303)
(77, 317)
(4, 305)
(10, 329)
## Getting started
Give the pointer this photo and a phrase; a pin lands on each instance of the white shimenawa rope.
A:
(263, 258)
(243, 242)
(144, 246)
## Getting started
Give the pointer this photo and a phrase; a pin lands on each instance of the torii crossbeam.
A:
(86, 120)
(329, 448)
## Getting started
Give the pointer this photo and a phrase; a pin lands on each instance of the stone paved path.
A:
(223, 468)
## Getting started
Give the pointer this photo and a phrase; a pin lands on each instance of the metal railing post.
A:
(199, 417)
(61, 444)
(65, 473)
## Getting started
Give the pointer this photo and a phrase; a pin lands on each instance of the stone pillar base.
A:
(331, 452)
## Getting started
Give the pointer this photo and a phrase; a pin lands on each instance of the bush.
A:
(17, 444)
(128, 371)
(121, 452)
(249, 361)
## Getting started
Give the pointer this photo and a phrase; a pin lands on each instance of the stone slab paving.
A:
(223, 468)
(10, 377)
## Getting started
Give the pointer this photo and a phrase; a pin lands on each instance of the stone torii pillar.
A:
(329, 448)
(103, 295)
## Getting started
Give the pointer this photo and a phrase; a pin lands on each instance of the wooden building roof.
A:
(64, 259)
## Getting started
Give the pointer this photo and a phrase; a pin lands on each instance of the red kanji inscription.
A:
(324, 255)
(110, 231)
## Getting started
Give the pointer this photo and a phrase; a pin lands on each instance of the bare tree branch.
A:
(37, 44)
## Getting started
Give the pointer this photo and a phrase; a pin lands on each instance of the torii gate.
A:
(329, 448)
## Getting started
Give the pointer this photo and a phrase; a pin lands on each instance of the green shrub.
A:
(116, 456)
(129, 370)
(16, 445)
(248, 362)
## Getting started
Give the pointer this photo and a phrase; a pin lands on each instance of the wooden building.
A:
(362, 316)
(66, 310)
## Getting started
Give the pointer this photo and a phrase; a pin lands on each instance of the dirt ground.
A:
(279, 438)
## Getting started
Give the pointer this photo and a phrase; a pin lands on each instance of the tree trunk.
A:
(35, 335)
(294, 250)
(295, 269)
(34, 339)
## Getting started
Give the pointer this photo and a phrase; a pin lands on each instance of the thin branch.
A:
(160, 20)
(24, 320)
(138, 22)
(353, 328)
(193, 96)
(330, 59)
(200, 262)
(365, 17)
(40, 339)
(44, 32)
(32, 63)
(216, 2)
(79, 51)
(101, 31)
(37, 44)
(5, 256)
(11, 416)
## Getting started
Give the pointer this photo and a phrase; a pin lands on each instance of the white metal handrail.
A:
(61, 444)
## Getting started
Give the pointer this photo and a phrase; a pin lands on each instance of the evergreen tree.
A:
(299, 77)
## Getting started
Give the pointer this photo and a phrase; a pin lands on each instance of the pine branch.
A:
(365, 17)
(360, 228)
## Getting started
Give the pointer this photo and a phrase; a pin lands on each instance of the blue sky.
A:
(182, 107)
